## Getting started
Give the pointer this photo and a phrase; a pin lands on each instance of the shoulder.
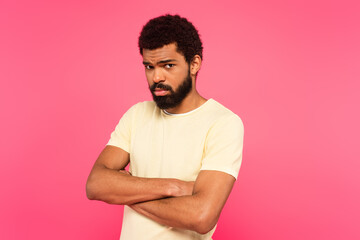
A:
(141, 112)
(144, 105)
(141, 108)
(222, 115)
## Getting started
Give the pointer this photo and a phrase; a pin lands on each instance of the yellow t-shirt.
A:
(178, 146)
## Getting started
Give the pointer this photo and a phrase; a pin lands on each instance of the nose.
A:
(158, 76)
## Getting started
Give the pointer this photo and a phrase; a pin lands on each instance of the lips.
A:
(160, 92)
(160, 89)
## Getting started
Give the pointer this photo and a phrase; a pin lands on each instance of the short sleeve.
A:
(121, 136)
(224, 146)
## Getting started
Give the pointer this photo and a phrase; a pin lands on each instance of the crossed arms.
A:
(187, 205)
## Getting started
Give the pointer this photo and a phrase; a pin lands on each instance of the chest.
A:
(168, 148)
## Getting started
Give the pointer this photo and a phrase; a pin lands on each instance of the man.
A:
(184, 151)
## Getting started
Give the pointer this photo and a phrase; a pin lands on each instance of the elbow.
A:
(89, 192)
(91, 189)
(204, 222)
(204, 228)
(90, 195)
(95, 191)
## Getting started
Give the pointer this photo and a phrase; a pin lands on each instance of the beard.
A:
(175, 97)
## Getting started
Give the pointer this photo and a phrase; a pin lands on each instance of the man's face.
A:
(168, 75)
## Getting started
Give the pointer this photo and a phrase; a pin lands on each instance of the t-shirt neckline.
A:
(187, 113)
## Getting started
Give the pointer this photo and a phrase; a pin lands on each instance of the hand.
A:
(180, 188)
(183, 188)
(125, 172)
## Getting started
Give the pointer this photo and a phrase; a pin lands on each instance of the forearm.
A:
(184, 212)
(198, 212)
(116, 187)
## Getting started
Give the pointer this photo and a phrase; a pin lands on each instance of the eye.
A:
(148, 67)
(169, 65)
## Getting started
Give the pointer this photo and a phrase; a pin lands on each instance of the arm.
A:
(107, 182)
(198, 212)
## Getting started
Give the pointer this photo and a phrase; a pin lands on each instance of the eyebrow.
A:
(162, 61)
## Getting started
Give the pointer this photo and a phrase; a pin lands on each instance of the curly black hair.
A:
(169, 29)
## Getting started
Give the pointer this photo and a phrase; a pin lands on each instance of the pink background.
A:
(289, 69)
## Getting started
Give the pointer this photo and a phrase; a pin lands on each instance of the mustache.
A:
(160, 86)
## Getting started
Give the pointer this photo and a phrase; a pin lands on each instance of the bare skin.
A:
(169, 67)
(109, 182)
(172, 202)
(198, 212)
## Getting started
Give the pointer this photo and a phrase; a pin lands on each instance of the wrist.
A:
(173, 189)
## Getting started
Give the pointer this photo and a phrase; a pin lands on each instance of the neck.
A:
(192, 101)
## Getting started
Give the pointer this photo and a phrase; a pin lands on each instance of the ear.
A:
(195, 65)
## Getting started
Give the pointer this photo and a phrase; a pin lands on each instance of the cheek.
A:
(148, 78)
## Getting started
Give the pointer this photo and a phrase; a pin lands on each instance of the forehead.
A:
(164, 53)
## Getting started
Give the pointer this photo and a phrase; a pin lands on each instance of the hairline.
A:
(177, 50)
